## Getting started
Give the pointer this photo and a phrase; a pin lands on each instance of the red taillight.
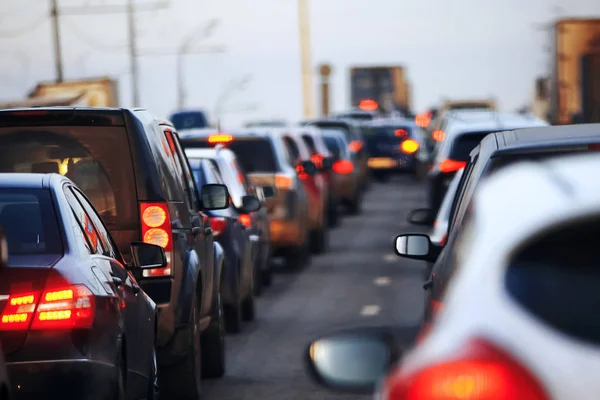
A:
(156, 229)
(409, 146)
(355, 146)
(481, 371)
(448, 165)
(284, 182)
(343, 167)
(368, 105)
(438, 135)
(317, 159)
(444, 238)
(67, 307)
(246, 220)
(300, 171)
(401, 133)
(218, 225)
(169, 136)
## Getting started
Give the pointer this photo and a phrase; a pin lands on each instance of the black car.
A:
(138, 178)
(495, 151)
(75, 323)
(231, 228)
(392, 145)
(189, 119)
(5, 393)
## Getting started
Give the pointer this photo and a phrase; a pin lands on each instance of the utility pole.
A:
(57, 45)
(306, 60)
(135, 78)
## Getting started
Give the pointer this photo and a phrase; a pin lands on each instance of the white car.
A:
(520, 319)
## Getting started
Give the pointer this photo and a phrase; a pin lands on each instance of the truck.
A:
(575, 72)
(93, 92)
(385, 85)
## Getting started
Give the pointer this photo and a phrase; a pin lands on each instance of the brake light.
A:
(30, 113)
(169, 135)
(156, 229)
(368, 105)
(438, 135)
(246, 220)
(594, 147)
(402, 133)
(343, 167)
(481, 371)
(409, 146)
(300, 171)
(284, 182)
(218, 225)
(216, 139)
(423, 120)
(355, 146)
(317, 159)
(448, 165)
(67, 307)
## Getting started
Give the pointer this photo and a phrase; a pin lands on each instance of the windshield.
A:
(388, 132)
(29, 222)
(189, 120)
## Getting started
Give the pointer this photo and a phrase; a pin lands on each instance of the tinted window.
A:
(189, 120)
(338, 127)
(92, 238)
(333, 145)
(464, 144)
(556, 279)
(292, 149)
(386, 132)
(310, 143)
(29, 222)
(254, 155)
(97, 159)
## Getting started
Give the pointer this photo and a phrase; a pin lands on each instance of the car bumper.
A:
(62, 379)
(389, 164)
(285, 233)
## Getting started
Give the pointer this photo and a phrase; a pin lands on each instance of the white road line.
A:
(390, 257)
(370, 310)
(382, 281)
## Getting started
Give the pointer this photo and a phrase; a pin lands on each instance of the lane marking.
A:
(382, 281)
(390, 257)
(370, 310)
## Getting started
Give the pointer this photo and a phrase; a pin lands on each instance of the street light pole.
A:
(306, 60)
(57, 45)
(133, 57)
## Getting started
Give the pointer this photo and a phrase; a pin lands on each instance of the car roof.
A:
(392, 122)
(549, 135)
(329, 120)
(30, 180)
(488, 120)
(204, 132)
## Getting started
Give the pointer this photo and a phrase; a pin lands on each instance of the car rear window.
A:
(463, 144)
(343, 128)
(189, 120)
(97, 159)
(556, 279)
(29, 222)
(388, 132)
(332, 143)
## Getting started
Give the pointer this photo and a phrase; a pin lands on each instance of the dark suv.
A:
(138, 178)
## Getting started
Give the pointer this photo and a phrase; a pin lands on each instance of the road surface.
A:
(358, 282)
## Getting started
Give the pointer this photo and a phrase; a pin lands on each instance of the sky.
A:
(450, 49)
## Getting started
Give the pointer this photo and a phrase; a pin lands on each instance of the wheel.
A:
(381, 176)
(300, 257)
(182, 380)
(153, 387)
(213, 345)
(319, 241)
(267, 274)
(257, 276)
(333, 214)
(120, 370)
(233, 312)
(249, 308)
(355, 205)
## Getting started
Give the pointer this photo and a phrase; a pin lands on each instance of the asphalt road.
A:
(358, 282)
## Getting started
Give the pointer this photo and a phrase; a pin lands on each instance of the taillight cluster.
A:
(300, 171)
(481, 371)
(343, 167)
(218, 225)
(409, 146)
(67, 307)
(156, 229)
(284, 182)
(355, 146)
(317, 159)
(448, 165)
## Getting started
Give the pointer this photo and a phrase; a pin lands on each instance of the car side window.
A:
(293, 151)
(193, 193)
(88, 231)
(178, 166)
(460, 192)
(109, 249)
(310, 143)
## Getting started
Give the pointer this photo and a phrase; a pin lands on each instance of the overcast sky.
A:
(458, 48)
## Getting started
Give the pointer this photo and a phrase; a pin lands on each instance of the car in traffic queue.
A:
(189, 119)
(321, 157)
(263, 158)
(359, 115)
(137, 177)
(5, 388)
(519, 319)
(72, 313)
(496, 151)
(315, 184)
(463, 132)
(356, 143)
(346, 181)
(235, 229)
(392, 145)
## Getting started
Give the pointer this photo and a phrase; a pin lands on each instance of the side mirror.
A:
(3, 249)
(214, 197)
(250, 204)
(352, 361)
(421, 216)
(308, 167)
(269, 191)
(147, 256)
(414, 245)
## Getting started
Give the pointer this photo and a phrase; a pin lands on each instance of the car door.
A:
(118, 277)
(142, 307)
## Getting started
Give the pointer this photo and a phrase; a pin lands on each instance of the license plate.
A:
(381, 163)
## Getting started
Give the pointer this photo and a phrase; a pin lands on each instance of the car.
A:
(463, 132)
(316, 186)
(276, 123)
(189, 119)
(346, 180)
(392, 145)
(356, 143)
(72, 310)
(322, 158)
(263, 158)
(359, 115)
(496, 151)
(232, 229)
(521, 310)
(136, 175)
(5, 388)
